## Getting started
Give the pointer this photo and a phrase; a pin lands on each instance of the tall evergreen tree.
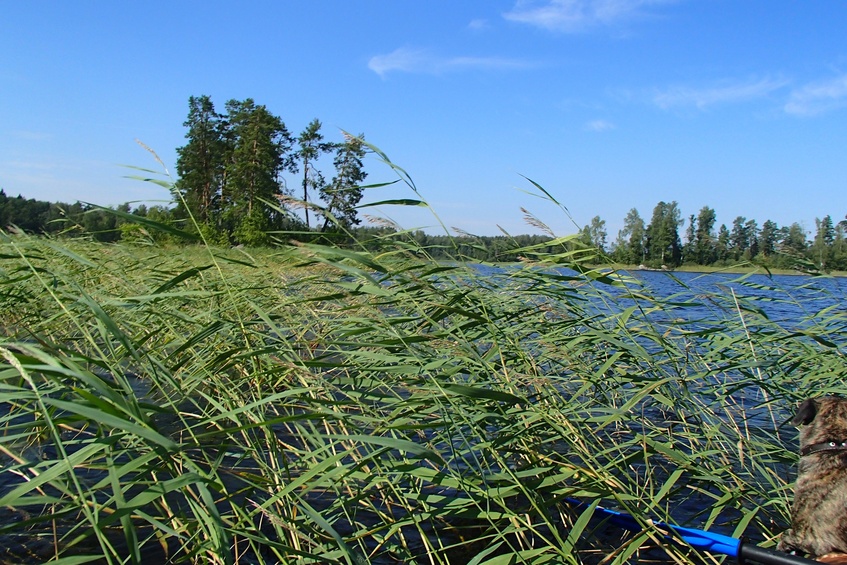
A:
(343, 194)
(822, 244)
(201, 163)
(738, 238)
(689, 250)
(827, 229)
(311, 146)
(768, 238)
(261, 151)
(751, 228)
(663, 244)
(705, 244)
(839, 248)
(723, 245)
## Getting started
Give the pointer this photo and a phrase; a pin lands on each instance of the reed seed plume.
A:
(533, 221)
(155, 156)
(382, 222)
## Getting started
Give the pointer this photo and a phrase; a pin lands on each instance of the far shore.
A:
(735, 269)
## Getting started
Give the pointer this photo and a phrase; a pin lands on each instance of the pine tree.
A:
(839, 248)
(824, 237)
(201, 162)
(751, 228)
(768, 238)
(345, 191)
(738, 238)
(705, 245)
(689, 250)
(723, 245)
(261, 151)
(311, 147)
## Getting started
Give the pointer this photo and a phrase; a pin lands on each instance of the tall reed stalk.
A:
(311, 404)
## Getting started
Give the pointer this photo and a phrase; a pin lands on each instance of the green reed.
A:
(310, 404)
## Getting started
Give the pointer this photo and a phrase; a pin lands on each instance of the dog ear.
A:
(806, 412)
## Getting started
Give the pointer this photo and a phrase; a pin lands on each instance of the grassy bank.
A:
(317, 405)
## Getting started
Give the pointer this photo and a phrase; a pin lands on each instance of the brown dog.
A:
(819, 512)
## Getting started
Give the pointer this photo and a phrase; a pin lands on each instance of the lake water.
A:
(781, 297)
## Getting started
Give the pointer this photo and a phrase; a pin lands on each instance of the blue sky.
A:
(608, 104)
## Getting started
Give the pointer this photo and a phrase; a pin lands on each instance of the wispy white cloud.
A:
(402, 59)
(479, 24)
(599, 126)
(727, 92)
(423, 61)
(819, 97)
(573, 16)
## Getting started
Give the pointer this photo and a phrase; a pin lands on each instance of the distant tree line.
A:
(658, 243)
(58, 218)
(103, 224)
(653, 245)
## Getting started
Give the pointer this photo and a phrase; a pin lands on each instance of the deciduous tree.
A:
(595, 234)
(629, 247)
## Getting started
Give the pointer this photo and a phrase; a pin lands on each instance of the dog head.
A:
(823, 424)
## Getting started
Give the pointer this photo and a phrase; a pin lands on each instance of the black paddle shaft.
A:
(749, 553)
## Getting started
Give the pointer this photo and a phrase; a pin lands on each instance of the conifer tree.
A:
(311, 147)
(345, 191)
(201, 162)
(768, 238)
(261, 151)
(705, 247)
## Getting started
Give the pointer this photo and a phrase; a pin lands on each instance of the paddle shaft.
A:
(753, 553)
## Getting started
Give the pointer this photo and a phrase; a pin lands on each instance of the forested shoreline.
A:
(244, 179)
(770, 246)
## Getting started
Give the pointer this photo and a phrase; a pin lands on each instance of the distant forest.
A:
(654, 244)
(232, 190)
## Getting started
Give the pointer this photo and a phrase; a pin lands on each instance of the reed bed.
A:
(311, 404)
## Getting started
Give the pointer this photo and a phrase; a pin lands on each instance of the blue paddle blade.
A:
(698, 539)
(703, 541)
